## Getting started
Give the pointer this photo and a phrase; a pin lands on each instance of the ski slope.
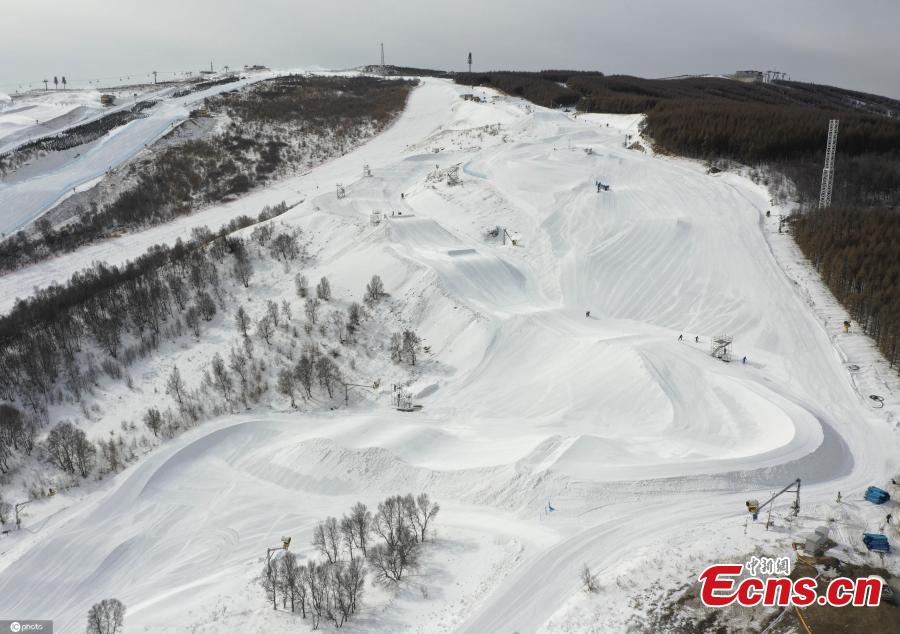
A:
(638, 439)
(23, 200)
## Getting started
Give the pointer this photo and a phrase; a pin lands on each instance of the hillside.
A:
(778, 129)
(552, 439)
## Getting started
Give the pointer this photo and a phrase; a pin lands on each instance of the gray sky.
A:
(849, 44)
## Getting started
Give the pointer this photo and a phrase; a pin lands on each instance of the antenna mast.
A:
(382, 59)
(470, 61)
(828, 170)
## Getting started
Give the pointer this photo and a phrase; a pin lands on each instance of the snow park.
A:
(383, 348)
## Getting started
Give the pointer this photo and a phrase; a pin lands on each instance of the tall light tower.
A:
(828, 170)
(470, 61)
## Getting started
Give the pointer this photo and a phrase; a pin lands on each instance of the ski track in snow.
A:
(636, 437)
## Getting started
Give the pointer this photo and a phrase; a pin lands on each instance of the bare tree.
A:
(410, 346)
(361, 522)
(270, 580)
(420, 511)
(374, 289)
(399, 550)
(339, 325)
(302, 285)
(588, 580)
(305, 373)
(285, 246)
(272, 311)
(153, 420)
(242, 320)
(290, 582)
(243, 268)
(311, 307)
(106, 617)
(265, 329)
(192, 319)
(327, 538)
(175, 388)
(221, 380)
(286, 310)
(206, 306)
(323, 289)
(328, 374)
(287, 385)
(70, 450)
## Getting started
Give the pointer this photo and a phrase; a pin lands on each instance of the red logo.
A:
(721, 585)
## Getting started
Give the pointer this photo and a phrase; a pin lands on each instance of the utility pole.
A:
(45, 84)
(210, 66)
(382, 60)
(19, 519)
(470, 61)
(347, 387)
(828, 170)
(154, 77)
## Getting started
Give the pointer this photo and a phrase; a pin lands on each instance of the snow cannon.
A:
(876, 495)
(753, 507)
(876, 542)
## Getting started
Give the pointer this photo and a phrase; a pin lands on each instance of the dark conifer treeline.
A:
(857, 253)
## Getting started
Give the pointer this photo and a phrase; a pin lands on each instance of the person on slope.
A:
(587, 314)
(744, 360)
(680, 337)
(697, 339)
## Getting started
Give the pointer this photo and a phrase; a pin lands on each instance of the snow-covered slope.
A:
(639, 440)
(23, 198)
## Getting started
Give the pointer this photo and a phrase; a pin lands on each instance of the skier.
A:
(598, 187)
(744, 360)
(697, 339)
(587, 313)
(401, 195)
(680, 337)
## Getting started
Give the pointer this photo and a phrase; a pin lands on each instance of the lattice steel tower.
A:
(828, 171)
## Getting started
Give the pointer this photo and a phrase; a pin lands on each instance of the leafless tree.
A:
(311, 307)
(272, 311)
(265, 329)
(153, 420)
(242, 320)
(588, 580)
(175, 388)
(305, 373)
(327, 538)
(398, 551)
(420, 511)
(411, 346)
(360, 521)
(339, 325)
(374, 289)
(221, 380)
(290, 582)
(270, 580)
(323, 289)
(328, 374)
(106, 617)
(69, 448)
(302, 285)
(287, 384)
(192, 319)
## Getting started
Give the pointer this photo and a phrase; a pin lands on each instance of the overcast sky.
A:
(844, 43)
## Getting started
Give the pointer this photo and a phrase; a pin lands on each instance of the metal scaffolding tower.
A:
(828, 170)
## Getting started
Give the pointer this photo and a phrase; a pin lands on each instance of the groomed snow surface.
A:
(646, 446)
